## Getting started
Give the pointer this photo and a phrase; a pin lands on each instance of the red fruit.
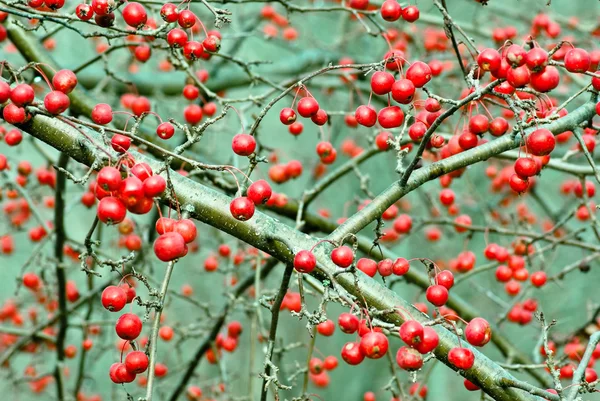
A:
(193, 114)
(136, 362)
(259, 192)
(135, 15)
(342, 256)
(169, 12)
(382, 81)
(409, 359)
(308, 106)
(64, 81)
(429, 341)
(539, 278)
(296, 128)
(305, 261)
(212, 43)
(403, 91)
(518, 77)
(315, 366)
(4, 92)
(374, 344)
(165, 130)
(445, 278)
(518, 184)
(461, 358)
(187, 229)
(22, 95)
(577, 60)
(154, 186)
(540, 142)
(169, 246)
(114, 298)
(111, 210)
(131, 191)
(120, 143)
(382, 140)
(348, 323)
(410, 14)
(243, 144)
(326, 328)
(498, 126)
(84, 12)
(400, 267)
(56, 102)
(287, 116)
(365, 116)
(536, 59)
(478, 124)
(102, 114)
(330, 363)
(526, 167)
(390, 10)
(13, 114)
(385, 267)
(320, 118)
(411, 332)
(177, 38)
(31, 281)
(478, 332)
(489, 60)
(128, 327)
(186, 19)
(242, 208)
(352, 354)
(367, 266)
(545, 80)
(515, 55)
(437, 295)
(141, 171)
(470, 386)
(419, 73)
(390, 117)
(140, 106)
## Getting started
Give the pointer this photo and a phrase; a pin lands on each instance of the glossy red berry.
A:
(259, 192)
(114, 298)
(374, 344)
(305, 261)
(242, 208)
(136, 362)
(56, 102)
(134, 14)
(342, 256)
(478, 332)
(540, 142)
(352, 353)
(461, 358)
(128, 327)
(366, 116)
(169, 245)
(308, 106)
(409, 359)
(102, 114)
(382, 81)
(437, 295)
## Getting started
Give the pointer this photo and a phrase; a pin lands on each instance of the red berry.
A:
(242, 208)
(437, 295)
(478, 332)
(169, 246)
(352, 353)
(461, 358)
(136, 362)
(128, 327)
(541, 142)
(305, 261)
(243, 144)
(114, 298)
(135, 14)
(409, 359)
(342, 256)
